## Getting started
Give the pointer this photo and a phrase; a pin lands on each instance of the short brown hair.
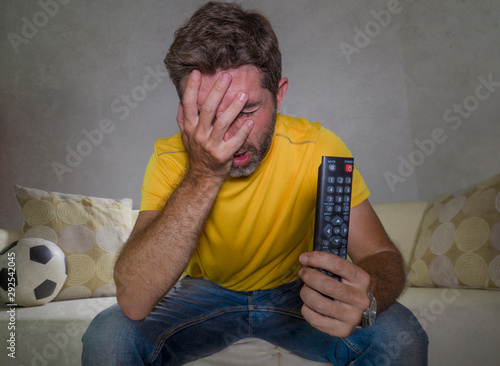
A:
(223, 36)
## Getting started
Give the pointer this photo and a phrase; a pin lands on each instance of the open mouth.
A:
(241, 159)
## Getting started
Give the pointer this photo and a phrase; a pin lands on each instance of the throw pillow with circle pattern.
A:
(89, 230)
(459, 240)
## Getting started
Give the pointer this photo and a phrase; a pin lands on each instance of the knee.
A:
(402, 334)
(411, 340)
(414, 334)
(104, 335)
(102, 327)
(410, 331)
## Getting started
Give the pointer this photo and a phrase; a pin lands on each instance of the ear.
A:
(280, 95)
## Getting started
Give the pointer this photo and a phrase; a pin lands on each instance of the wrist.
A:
(204, 178)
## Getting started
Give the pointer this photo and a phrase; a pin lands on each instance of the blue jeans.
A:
(198, 318)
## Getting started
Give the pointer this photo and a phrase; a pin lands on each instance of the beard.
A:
(258, 153)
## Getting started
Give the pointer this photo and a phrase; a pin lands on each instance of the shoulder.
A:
(169, 156)
(296, 129)
(169, 145)
(301, 131)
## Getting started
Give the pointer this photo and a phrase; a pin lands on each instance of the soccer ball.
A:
(32, 272)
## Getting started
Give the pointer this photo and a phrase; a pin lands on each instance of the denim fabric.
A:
(198, 318)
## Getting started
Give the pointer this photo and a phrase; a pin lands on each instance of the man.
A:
(230, 203)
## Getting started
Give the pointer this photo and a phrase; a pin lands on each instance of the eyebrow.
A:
(249, 105)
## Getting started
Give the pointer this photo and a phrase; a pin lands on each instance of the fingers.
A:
(190, 101)
(212, 102)
(348, 311)
(180, 117)
(350, 273)
(205, 120)
(229, 117)
(241, 135)
(330, 325)
(235, 126)
(204, 117)
(341, 311)
(326, 285)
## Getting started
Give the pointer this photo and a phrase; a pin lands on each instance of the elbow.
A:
(130, 308)
(128, 300)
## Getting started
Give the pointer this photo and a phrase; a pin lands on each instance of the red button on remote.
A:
(348, 168)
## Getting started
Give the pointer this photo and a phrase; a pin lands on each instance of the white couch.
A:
(463, 325)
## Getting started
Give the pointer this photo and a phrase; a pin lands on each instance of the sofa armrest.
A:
(402, 221)
(135, 214)
(7, 237)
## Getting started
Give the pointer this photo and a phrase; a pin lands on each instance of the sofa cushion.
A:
(89, 230)
(459, 239)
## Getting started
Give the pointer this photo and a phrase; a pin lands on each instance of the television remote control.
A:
(333, 207)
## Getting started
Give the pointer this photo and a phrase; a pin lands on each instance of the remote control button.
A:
(347, 180)
(346, 218)
(329, 208)
(338, 208)
(346, 208)
(337, 240)
(344, 229)
(348, 168)
(340, 180)
(335, 251)
(347, 189)
(338, 199)
(337, 221)
(340, 189)
(336, 230)
(330, 189)
(328, 218)
(331, 179)
(343, 252)
(332, 167)
(329, 199)
(328, 230)
(347, 198)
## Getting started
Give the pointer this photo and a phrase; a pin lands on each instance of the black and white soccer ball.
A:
(32, 272)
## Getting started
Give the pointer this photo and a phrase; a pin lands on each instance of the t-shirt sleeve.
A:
(360, 191)
(153, 189)
(330, 144)
(161, 178)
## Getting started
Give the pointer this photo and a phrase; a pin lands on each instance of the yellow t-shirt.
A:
(259, 225)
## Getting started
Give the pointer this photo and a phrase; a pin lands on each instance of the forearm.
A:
(387, 276)
(152, 261)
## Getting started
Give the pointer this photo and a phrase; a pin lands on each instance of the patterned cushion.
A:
(459, 240)
(89, 230)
